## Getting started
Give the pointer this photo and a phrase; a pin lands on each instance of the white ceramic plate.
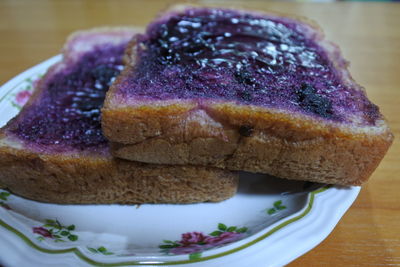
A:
(270, 221)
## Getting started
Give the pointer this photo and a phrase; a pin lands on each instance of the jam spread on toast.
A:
(67, 112)
(227, 55)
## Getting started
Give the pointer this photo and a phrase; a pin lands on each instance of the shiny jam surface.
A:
(68, 112)
(242, 57)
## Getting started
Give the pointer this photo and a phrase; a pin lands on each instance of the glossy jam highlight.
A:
(67, 113)
(251, 59)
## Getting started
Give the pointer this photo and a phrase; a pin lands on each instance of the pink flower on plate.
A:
(22, 97)
(42, 231)
(194, 243)
(192, 248)
(192, 238)
(224, 238)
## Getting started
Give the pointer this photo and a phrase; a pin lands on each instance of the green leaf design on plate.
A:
(222, 227)
(73, 237)
(242, 230)
(231, 229)
(16, 106)
(216, 233)
(4, 195)
(277, 207)
(277, 203)
(64, 233)
(101, 250)
(271, 211)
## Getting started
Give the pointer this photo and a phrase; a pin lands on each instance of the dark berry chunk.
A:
(245, 77)
(104, 74)
(246, 130)
(311, 101)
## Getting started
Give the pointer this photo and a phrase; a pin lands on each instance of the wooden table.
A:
(369, 35)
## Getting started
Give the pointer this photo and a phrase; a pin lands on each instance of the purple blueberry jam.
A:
(68, 112)
(247, 58)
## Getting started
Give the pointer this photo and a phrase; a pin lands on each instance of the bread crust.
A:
(103, 180)
(93, 176)
(346, 160)
(286, 145)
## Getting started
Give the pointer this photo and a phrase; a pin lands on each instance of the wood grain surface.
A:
(369, 35)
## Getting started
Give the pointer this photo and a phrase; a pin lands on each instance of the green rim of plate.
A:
(83, 257)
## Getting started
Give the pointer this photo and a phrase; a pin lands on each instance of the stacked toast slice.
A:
(243, 90)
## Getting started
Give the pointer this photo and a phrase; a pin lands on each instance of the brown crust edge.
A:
(324, 160)
(88, 180)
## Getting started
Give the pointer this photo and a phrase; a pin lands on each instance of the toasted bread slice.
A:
(54, 150)
(243, 90)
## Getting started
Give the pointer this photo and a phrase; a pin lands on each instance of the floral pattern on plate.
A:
(21, 97)
(3, 199)
(53, 229)
(193, 243)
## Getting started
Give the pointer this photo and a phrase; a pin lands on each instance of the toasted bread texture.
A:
(47, 161)
(313, 122)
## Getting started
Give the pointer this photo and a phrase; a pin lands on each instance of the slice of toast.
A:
(54, 150)
(243, 90)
